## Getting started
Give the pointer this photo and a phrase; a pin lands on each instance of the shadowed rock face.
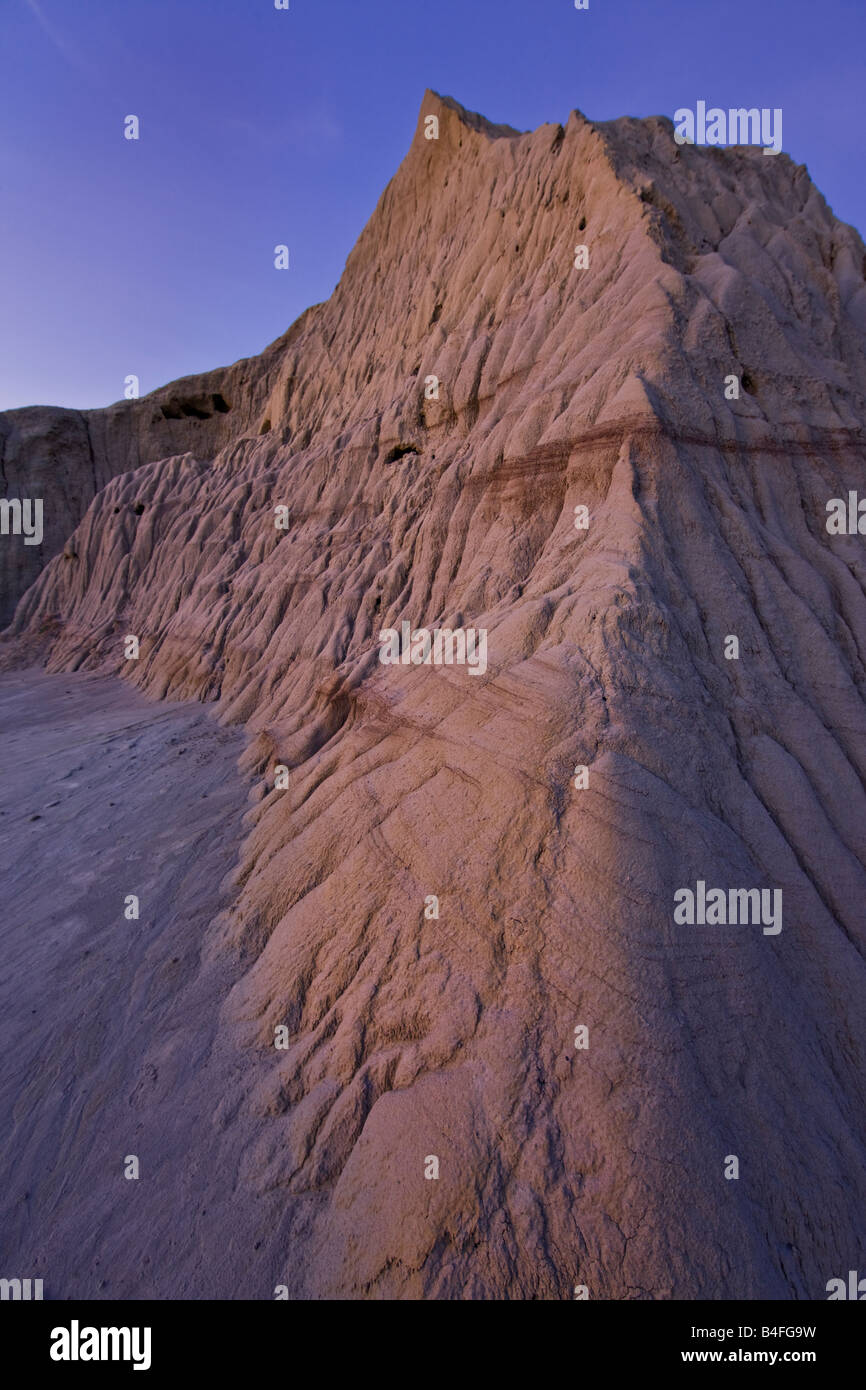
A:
(454, 1036)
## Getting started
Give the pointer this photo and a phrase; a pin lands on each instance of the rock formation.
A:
(452, 504)
(65, 456)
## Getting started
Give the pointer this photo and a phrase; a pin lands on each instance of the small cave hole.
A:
(399, 451)
(195, 407)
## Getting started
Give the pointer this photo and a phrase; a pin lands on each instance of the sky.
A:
(261, 127)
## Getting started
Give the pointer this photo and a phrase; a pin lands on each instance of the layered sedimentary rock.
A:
(413, 1036)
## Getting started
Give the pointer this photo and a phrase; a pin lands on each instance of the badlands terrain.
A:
(482, 428)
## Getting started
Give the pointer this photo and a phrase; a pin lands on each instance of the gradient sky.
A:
(261, 127)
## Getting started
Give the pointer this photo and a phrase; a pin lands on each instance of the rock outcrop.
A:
(64, 457)
(454, 506)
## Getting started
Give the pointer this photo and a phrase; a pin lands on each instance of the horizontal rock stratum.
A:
(413, 1036)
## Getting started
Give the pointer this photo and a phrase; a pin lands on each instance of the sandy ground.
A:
(109, 1026)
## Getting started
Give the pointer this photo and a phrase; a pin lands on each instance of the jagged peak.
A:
(433, 103)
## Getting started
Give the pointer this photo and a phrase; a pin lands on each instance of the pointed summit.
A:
(434, 104)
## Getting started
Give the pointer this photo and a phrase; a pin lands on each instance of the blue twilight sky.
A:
(261, 127)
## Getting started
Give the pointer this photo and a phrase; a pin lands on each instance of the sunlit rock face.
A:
(590, 392)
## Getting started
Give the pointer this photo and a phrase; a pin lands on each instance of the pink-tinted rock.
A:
(454, 1037)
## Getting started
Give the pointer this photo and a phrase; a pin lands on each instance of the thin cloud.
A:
(64, 47)
(314, 130)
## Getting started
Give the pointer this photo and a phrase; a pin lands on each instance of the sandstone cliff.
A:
(559, 387)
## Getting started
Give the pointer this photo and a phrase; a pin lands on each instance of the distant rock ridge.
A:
(65, 456)
(605, 387)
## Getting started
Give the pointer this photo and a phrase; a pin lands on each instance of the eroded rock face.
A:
(63, 457)
(411, 1036)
